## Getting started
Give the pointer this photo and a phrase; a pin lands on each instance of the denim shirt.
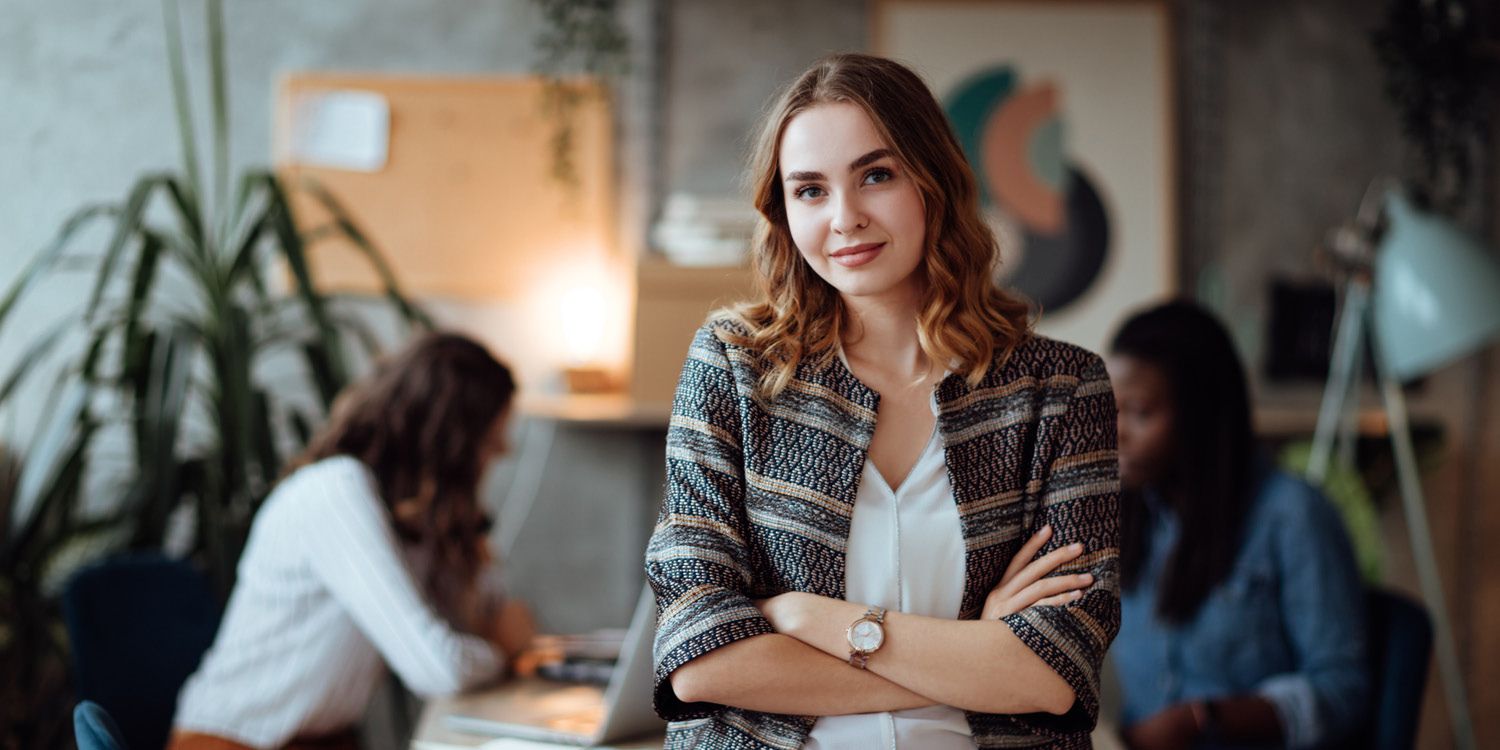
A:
(1287, 624)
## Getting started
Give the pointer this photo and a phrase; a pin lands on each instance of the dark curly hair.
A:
(418, 422)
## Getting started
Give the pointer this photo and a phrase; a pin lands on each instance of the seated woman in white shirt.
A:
(371, 552)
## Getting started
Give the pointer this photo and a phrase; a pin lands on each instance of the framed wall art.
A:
(1065, 111)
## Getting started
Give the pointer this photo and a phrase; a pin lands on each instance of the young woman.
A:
(1243, 608)
(856, 459)
(370, 552)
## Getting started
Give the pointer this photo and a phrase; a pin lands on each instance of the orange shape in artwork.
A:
(1007, 163)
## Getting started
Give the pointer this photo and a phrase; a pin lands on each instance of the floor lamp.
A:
(1434, 297)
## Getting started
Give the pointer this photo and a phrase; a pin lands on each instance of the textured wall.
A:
(724, 61)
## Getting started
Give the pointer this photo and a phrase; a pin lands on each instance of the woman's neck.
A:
(882, 331)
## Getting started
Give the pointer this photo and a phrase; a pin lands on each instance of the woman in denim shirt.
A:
(1242, 610)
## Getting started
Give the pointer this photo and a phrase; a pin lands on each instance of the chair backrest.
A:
(1400, 634)
(138, 627)
(95, 729)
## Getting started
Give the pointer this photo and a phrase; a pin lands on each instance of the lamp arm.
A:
(1341, 374)
(1425, 558)
(1373, 201)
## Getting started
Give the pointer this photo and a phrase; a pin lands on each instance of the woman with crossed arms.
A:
(864, 462)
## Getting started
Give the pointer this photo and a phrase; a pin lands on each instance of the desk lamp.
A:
(1435, 297)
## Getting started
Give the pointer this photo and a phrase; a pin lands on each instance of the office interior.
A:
(1225, 154)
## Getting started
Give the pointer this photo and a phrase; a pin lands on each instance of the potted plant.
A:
(181, 320)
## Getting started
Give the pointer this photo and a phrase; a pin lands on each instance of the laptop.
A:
(571, 714)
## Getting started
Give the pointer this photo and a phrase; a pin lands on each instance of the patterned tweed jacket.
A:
(759, 499)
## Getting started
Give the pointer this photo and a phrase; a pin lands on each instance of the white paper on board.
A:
(341, 129)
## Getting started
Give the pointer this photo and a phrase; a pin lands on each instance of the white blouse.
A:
(906, 554)
(325, 597)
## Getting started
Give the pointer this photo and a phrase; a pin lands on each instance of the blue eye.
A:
(807, 192)
(878, 175)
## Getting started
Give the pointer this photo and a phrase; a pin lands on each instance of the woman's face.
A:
(1143, 396)
(854, 214)
(496, 441)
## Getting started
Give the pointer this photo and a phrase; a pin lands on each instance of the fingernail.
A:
(1076, 546)
(1086, 578)
(1077, 594)
(1047, 529)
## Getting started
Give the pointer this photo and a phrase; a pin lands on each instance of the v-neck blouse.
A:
(905, 554)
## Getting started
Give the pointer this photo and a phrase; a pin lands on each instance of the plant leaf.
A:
(165, 394)
(321, 369)
(36, 352)
(177, 67)
(53, 459)
(140, 293)
(264, 440)
(128, 224)
(290, 244)
(188, 208)
(218, 89)
(49, 255)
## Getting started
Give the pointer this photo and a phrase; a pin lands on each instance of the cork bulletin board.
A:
(462, 200)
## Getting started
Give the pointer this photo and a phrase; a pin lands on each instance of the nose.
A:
(848, 213)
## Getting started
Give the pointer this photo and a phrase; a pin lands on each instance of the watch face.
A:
(866, 635)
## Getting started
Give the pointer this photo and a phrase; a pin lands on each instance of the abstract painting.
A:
(1064, 111)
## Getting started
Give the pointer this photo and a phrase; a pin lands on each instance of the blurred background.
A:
(563, 181)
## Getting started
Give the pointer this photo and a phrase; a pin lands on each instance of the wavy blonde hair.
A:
(795, 315)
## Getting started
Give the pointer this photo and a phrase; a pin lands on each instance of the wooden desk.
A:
(433, 733)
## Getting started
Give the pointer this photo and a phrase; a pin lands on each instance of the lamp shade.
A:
(1436, 291)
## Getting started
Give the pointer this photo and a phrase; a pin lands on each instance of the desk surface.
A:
(599, 410)
(432, 732)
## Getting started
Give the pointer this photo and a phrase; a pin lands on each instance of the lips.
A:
(857, 255)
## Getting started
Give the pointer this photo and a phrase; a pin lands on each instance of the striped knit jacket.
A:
(759, 499)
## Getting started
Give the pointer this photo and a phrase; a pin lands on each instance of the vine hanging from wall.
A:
(580, 43)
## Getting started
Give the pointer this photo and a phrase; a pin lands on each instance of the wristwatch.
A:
(866, 636)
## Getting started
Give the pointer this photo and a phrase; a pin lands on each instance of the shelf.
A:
(604, 410)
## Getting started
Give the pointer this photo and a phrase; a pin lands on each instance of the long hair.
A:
(1210, 474)
(965, 317)
(418, 422)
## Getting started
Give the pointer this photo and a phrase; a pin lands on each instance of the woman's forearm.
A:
(970, 664)
(779, 674)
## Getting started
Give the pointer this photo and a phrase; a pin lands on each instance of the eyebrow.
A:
(863, 161)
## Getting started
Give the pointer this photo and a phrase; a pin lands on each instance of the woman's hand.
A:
(1173, 728)
(1026, 584)
(512, 628)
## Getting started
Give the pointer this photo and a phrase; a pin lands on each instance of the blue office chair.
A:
(1400, 644)
(138, 627)
(95, 729)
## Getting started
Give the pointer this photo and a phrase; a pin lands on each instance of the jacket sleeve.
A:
(1077, 492)
(1323, 604)
(698, 560)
